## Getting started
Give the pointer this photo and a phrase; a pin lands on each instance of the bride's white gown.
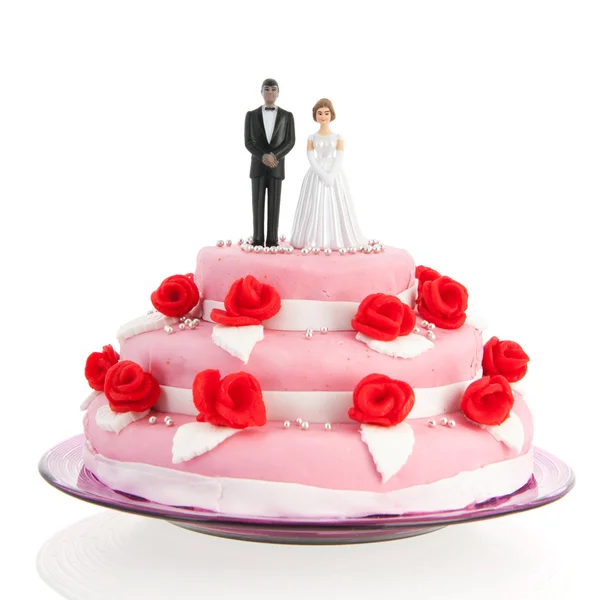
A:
(325, 215)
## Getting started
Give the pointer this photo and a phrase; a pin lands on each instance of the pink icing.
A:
(287, 361)
(312, 277)
(336, 459)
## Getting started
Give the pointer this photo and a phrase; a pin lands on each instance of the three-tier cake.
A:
(301, 383)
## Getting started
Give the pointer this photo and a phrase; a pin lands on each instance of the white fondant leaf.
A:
(195, 439)
(86, 403)
(111, 421)
(390, 447)
(150, 322)
(406, 346)
(238, 341)
(510, 432)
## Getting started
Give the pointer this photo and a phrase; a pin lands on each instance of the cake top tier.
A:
(321, 277)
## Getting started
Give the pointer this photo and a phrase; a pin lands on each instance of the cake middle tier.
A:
(309, 378)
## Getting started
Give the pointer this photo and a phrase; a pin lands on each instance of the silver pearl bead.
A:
(274, 249)
(228, 243)
(182, 319)
(376, 248)
(324, 330)
(286, 424)
(282, 238)
(417, 330)
(451, 423)
(289, 249)
(169, 423)
(249, 241)
(444, 421)
(299, 421)
(305, 425)
(328, 426)
(187, 321)
(196, 322)
(220, 243)
(424, 323)
(382, 247)
(309, 333)
(432, 423)
(168, 329)
(375, 242)
(257, 248)
(168, 420)
(241, 242)
(305, 251)
(342, 251)
(352, 250)
(369, 249)
(192, 324)
(430, 326)
(371, 242)
(280, 249)
(152, 420)
(316, 250)
(327, 251)
(182, 326)
(430, 335)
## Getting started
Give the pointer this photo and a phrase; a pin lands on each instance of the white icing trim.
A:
(406, 346)
(275, 499)
(476, 319)
(300, 315)
(390, 447)
(238, 341)
(114, 422)
(86, 403)
(322, 407)
(511, 432)
(195, 439)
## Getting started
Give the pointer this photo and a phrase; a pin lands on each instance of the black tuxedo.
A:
(264, 178)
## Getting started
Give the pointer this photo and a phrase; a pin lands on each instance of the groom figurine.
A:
(269, 134)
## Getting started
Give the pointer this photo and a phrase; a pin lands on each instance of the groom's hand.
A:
(270, 161)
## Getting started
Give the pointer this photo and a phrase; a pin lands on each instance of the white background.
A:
(472, 139)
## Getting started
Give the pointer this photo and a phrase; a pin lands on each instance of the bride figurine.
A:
(325, 214)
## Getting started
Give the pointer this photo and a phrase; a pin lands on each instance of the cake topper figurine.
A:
(269, 136)
(325, 214)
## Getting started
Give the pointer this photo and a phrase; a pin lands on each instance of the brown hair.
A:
(323, 103)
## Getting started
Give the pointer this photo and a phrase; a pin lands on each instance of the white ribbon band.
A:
(299, 315)
(322, 407)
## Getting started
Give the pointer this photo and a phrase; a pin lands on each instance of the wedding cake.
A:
(288, 382)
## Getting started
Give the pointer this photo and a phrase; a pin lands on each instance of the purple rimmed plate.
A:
(62, 467)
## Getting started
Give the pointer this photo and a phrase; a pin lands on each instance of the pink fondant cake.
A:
(300, 384)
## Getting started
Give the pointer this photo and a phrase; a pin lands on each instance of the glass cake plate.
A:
(62, 467)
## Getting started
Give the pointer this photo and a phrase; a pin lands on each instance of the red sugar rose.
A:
(424, 274)
(129, 388)
(504, 358)
(443, 302)
(379, 400)
(235, 401)
(176, 296)
(488, 400)
(248, 302)
(97, 364)
(383, 317)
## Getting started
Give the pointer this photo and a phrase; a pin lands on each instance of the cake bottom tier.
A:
(289, 472)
